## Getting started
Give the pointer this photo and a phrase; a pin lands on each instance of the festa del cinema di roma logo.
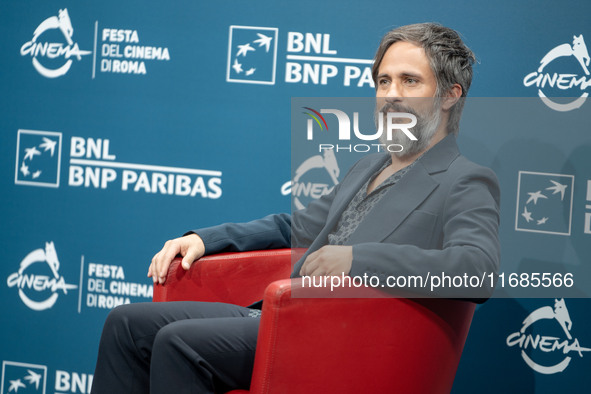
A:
(37, 290)
(53, 59)
(547, 344)
(562, 81)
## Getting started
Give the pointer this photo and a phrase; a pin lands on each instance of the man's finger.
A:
(189, 258)
(309, 265)
(167, 255)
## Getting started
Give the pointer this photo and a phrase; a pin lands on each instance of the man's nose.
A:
(394, 93)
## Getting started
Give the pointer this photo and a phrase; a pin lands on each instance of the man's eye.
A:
(411, 81)
(383, 81)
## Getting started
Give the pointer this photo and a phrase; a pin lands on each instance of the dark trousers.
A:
(176, 347)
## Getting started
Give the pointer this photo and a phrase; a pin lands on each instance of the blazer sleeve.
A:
(271, 232)
(470, 245)
(275, 231)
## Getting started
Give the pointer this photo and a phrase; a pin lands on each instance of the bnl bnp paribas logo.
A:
(52, 48)
(310, 59)
(38, 280)
(38, 157)
(544, 203)
(551, 353)
(38, 163)
(23, 378)
(557, 74)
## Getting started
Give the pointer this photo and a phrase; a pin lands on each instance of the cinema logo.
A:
(315, 177)
(38, 281)
(53, 59)
(544, 346)
(562, 81)
(394, 121)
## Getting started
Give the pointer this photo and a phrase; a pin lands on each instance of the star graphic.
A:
(527, 215)
(15, 385)
(542, 221)
(48, 145)
(263, 40)
(33, 378)
(237, 66)
(30, 153)
(243, 49)
(558, 188)
(534, 197)
(24, 169)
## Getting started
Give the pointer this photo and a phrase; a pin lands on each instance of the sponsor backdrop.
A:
(124, 124)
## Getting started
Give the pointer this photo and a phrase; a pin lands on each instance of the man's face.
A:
(405, 72)
(406, 83)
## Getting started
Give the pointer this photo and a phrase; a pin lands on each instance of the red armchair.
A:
(330, 345)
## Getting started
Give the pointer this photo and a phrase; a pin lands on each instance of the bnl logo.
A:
(23, 378)
(544, 203)
(252, 55)
(38, 155)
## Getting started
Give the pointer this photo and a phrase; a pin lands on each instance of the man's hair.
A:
(450, 60)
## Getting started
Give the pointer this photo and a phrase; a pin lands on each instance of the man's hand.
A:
(191, 247)
(328, 260)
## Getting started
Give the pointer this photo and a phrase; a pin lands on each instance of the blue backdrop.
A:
(124, 124)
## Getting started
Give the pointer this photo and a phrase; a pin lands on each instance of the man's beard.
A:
(424, 130)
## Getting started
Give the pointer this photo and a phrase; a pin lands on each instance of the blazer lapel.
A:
(398, 202)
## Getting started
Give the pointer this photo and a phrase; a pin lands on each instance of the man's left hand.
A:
(328, 260)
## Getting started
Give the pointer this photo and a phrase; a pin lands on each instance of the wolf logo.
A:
(578, 50)
(62, 21)
(559, 312)
(51, 258)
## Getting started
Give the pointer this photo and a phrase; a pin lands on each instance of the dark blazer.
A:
(441, 218)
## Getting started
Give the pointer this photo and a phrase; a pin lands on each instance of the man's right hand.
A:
(190, 247)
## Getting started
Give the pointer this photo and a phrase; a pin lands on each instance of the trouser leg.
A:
(204, 356)
(125, 349)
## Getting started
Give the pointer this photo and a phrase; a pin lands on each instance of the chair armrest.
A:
(237, 278)
(357, 340)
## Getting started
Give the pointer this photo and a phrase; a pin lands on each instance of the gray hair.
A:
(450, 60)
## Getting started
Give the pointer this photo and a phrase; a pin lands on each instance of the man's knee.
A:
(170, 339)
(122, 317)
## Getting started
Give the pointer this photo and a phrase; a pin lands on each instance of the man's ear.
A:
(452, 97)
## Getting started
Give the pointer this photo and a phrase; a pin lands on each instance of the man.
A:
(424, 209)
